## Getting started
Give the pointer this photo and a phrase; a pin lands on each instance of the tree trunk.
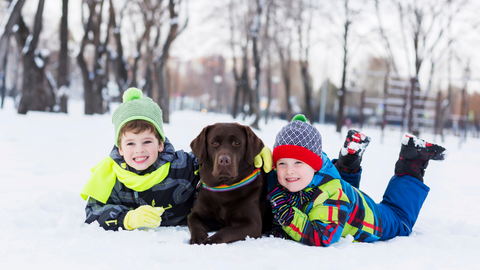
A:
(245, 83)
(438, 110)
(21, 34)
(62, 81)
(269, 87)
(238, 82)
(35, 95)
(160, 87)
(413, 129)
(285, 68)
(304, 54)
(151, 17)
(307, 89)
(93, 80)
(161, 63)
(236, 75)
(120, 66)
(150, 76)
(133, 81)
(256, 90)
(269, 61)
(256, 60)
(14, 10)
(3, 76)
(342, 93)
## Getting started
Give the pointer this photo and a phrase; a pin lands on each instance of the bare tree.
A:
(14, 15)
(152, 13)
(36, 94)
(267, 51)
(94, 78)
(117, 58)
(350, 15)
(452, 15)
(62, 81)
(255, 29)
(303, 19)
(161, 91)
(390, 59)
(424, 26)
(240, 22)
(283, 37)
(236, 75)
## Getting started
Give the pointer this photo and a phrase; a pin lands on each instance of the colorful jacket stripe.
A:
(337, 209)
(176, 193)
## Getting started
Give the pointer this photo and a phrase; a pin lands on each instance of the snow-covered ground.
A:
(45, 160)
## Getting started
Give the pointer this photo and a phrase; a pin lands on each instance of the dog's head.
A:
(226, 152)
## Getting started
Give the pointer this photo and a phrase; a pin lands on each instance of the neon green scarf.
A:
(104, 174)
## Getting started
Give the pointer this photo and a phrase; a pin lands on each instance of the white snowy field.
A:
(45, 160)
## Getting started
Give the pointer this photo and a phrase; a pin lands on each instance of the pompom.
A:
(299, 117)
(131, 94)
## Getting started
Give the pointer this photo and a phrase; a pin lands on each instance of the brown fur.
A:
(226, 152)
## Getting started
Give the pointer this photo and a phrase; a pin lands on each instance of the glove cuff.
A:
(121, 220)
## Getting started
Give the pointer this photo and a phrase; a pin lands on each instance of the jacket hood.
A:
(325, 174)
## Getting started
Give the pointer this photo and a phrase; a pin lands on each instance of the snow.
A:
(416, 141)
(46, 159)
(27, 44)
(174, 21)
(352, 146)
(39, 62)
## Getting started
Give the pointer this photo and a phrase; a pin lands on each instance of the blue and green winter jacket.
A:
(337, 209)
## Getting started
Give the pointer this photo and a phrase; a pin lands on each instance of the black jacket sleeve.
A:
(109, 216)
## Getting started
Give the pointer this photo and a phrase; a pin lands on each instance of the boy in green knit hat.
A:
(144, 183)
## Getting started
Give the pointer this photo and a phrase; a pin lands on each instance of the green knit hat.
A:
(137, 107)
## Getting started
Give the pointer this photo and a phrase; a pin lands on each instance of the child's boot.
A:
(414, 156)
(351, 153)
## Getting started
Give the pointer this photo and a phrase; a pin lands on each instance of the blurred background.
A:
(398, 64)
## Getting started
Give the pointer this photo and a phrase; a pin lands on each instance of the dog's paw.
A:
(218, 238)
(199, 239)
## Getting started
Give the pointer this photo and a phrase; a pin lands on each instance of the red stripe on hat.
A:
(297, 152)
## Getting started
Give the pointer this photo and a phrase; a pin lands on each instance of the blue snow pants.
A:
(401, 203)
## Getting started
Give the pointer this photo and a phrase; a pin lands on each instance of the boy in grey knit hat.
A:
(316, 201)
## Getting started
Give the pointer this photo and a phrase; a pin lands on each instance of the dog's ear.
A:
(254, 145)
(199, 145)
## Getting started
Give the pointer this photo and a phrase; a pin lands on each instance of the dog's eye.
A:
(237, 143)
(215, 143)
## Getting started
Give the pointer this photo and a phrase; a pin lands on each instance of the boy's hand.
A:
(265, 158)
(281, 204)
(143, 216)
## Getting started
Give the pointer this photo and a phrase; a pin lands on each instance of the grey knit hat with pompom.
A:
(299, 140)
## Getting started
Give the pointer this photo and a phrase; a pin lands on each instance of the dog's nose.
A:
(224, 160)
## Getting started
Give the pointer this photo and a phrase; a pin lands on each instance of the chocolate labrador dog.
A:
(232, 192)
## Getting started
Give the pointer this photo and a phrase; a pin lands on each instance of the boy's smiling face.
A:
(140, 150)
(294, 174)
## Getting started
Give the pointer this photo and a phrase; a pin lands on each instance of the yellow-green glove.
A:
(143, 216)
(265, 158)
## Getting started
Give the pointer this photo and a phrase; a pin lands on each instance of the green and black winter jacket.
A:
(115, 188)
